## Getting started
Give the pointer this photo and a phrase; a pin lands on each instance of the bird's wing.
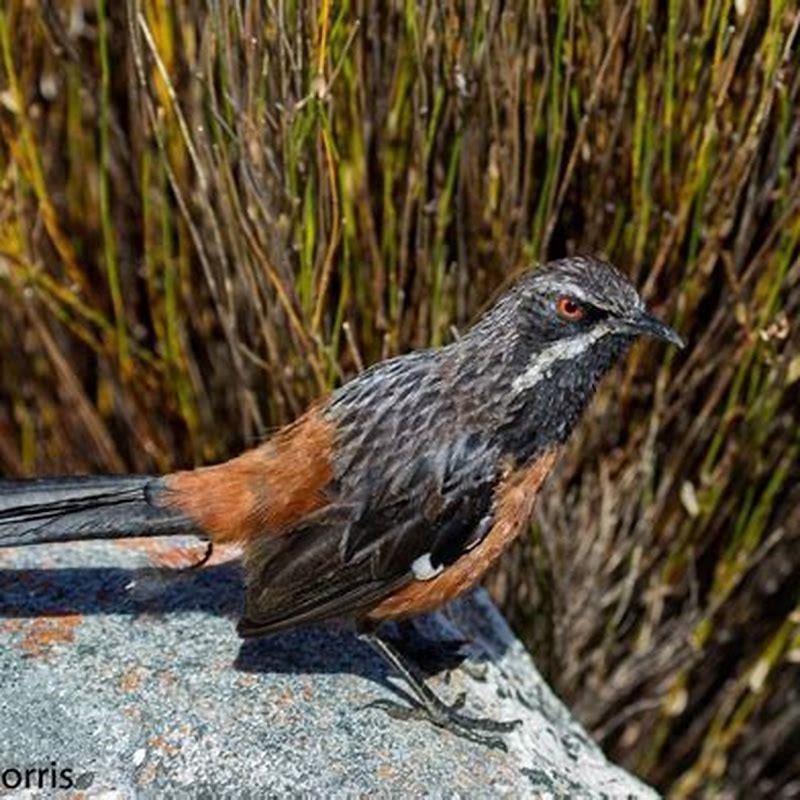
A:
(357, 550)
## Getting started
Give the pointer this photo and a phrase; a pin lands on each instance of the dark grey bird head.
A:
(571, 306)
(555, 334)
(587, 299)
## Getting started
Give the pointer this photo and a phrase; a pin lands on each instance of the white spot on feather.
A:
(423, 568)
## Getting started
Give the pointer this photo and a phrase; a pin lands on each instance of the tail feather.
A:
(91, 507)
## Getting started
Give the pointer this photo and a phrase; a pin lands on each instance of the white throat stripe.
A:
(539, 366)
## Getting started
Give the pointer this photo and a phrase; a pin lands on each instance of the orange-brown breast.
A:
(263, 491)
(514, 502)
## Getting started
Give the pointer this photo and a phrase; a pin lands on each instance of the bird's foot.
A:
(427, 706)
(449, 717)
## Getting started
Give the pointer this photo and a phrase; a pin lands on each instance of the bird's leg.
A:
(431, 655)
(429, 707)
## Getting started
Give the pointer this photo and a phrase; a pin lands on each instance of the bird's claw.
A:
(447, 717)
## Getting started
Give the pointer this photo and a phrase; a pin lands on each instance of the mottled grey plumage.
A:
(424, 440)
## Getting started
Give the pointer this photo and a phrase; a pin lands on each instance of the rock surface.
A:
(130, 676)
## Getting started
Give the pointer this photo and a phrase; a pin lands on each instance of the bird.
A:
(397, 492)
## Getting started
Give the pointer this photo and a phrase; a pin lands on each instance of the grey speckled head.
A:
(555, 333)
(602, 300)
(588, 280)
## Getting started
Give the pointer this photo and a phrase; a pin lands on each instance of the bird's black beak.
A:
(645, 324)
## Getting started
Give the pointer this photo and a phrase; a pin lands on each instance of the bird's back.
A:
(413, 481)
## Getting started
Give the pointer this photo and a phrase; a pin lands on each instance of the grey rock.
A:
(130, 675)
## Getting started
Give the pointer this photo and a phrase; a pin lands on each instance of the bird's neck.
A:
(535, 390)
(549, 396)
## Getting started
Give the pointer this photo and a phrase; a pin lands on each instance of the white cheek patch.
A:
(424, 570)
(539, 366)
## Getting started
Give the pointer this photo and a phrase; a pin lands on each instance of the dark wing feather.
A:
(349, 556)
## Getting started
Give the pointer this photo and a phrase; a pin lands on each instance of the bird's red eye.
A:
(569, 309)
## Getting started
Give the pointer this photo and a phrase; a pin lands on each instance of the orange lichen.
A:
(44, 633)
(131, 679)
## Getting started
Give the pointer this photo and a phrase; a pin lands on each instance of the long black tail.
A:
(92, 507)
